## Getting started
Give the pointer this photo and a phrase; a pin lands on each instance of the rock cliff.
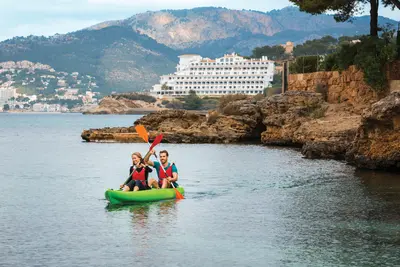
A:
(295, 118)
(111, 105)
(377, 142)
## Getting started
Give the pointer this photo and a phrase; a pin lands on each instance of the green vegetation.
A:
(370, 54)
(345, 10)
(106, 54)
(6, 107)
(323, 46)
(192, 101)
(306, 64)
(209, 103)
(174, 104)
(276, 52)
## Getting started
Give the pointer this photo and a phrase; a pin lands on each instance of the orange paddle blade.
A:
(142, 132)
(178, 194)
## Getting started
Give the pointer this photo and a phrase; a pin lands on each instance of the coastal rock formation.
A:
(295, 118)
(303, 119)
(180, 126)
(377, 143)
(111, 105)
(115, 134)
(283, 114)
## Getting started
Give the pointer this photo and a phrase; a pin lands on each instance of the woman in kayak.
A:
(139, 173)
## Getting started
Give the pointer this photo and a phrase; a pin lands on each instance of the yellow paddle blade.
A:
(142, 132)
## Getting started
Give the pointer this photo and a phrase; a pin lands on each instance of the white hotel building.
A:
(230, 74)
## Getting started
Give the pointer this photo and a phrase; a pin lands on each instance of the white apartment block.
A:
(230, 74)
(6, 93)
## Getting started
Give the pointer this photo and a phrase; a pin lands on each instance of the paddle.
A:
(145, 136)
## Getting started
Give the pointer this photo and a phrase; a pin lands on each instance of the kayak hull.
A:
(120, 197)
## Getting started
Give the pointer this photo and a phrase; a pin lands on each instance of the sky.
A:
(48, 17)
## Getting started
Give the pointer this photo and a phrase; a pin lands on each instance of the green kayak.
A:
(120, 197)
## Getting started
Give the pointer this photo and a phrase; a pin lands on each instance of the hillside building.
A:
(230, 74)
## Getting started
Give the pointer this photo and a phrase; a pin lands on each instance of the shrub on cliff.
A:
(174, 104)
(192, 101)
(331, 62)
(306, 64)
(371, 55)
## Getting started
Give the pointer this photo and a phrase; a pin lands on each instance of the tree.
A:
(192, 101)
(6, 107)
(325, 45)
(164, 86)
(346, 9)
(272, 52)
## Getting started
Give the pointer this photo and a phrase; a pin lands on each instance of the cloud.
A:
(147, 3)
(178, 4)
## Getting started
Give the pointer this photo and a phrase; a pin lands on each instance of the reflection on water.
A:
(148, 220)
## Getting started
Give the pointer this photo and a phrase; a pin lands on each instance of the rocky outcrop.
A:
(115, 134)
(283, 114)
(111, 105)
(296, 118)
(180, 126)
(303, 119)
(377, 143)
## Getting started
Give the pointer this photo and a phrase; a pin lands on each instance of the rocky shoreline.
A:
(368, 139)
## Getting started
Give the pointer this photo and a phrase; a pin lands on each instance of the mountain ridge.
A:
(131, 54)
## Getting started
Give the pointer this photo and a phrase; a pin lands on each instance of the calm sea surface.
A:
(246, 205)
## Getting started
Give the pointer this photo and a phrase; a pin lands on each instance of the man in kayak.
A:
(138, 173)
(164, 178)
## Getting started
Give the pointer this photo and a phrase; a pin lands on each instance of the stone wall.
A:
(346, 86)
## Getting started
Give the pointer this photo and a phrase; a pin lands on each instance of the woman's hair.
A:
(137, 154)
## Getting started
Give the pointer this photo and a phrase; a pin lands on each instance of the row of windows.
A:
(236, 63)
(224, 92)
(243, 68)
(229, 73)
(224, 82)
(217, 77)
(214, 87)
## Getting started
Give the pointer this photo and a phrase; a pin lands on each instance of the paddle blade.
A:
(178, 194)
(142, 132)
(156, 141)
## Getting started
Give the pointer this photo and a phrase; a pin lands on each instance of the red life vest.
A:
(141, 176)
(161, 173)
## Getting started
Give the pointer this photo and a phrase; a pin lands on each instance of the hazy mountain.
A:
(118, 57)
(130, 54)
